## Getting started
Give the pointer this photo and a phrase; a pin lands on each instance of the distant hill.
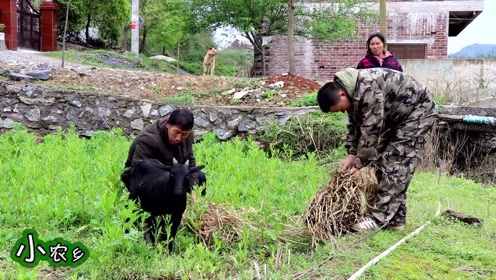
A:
(476, 51)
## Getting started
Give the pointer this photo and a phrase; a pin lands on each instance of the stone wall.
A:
(43, 111)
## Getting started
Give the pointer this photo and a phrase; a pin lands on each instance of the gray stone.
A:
(12, 88)
(246, 125)
(81, 71)
(71, 114)
(234, 123)
(43, 75)
(20, 77)
(145, 108)
(7, 123)
(154, 112)
(201, 122)
(223, 134)
(76, 103)
(262, 120)
(129, 113)
(28, 90)
(7, 110)
(33, 114)
(87, 133)
(50, 119)
(165, 110)
(137, 124)
(240, 94)
(212, 116)
(104, 112)
(37, 101)
(54, 127)
(15, 110)
(279, 84)
(23, 70)
(282, 121)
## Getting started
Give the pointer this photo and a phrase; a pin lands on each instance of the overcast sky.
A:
(480, 31)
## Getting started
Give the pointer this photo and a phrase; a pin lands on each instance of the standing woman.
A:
(376, 55)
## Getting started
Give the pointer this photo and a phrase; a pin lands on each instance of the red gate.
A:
(28, 25)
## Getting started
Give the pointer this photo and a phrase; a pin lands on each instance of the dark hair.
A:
(328, 95)
(182, 118)
(372, 36)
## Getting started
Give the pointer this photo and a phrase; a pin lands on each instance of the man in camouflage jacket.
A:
(390, 117)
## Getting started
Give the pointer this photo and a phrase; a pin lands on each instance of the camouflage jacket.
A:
(386, 105)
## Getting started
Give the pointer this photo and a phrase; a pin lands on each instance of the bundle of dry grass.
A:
(206, 218)
(339, 204)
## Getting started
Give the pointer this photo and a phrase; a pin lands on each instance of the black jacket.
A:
(152, 143)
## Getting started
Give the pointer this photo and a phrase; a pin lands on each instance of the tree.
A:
(166, 24)
(253, 18)
(257, 19)
(109, 17)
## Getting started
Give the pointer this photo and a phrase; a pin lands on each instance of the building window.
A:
(408, 51)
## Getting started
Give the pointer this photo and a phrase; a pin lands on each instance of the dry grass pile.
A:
(206, 218)
(339, 204)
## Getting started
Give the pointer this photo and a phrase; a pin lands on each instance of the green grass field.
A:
(67, 187)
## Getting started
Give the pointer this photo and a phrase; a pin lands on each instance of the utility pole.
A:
(135, 27)
(383, 20)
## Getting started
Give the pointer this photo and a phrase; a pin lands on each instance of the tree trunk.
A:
(125, 35)
(291, 22)
(88, 21)
(143, 40)
(259, 45)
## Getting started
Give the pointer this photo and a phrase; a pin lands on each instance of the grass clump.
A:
(339, 204)
(180, 98)
(315, 132)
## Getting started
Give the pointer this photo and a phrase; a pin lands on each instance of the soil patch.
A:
(278, 90)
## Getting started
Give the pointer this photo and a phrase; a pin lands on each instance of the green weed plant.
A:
(67, 187)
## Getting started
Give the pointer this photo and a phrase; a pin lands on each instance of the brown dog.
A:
(209, 61)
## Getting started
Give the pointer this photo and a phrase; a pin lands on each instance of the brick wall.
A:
(407, 23)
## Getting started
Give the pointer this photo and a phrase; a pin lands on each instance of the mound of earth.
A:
(279, 90)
